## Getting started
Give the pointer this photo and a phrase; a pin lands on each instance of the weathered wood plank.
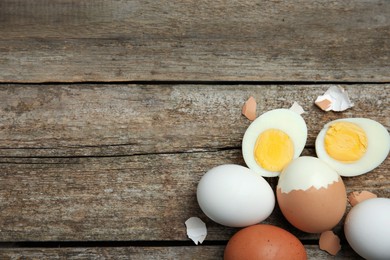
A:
(75, 165)
(69, 40)
(111, 120)
(144, 197)
(182, 252)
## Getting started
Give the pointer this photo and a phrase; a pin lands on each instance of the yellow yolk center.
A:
(346, 142)
(273, 150)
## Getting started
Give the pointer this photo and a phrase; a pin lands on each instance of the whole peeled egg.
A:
(353, 146)
(367, 228)
(311, 195)
(264, 242)
(273, 140)
(233, 195)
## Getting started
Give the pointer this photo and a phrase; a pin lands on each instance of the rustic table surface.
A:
(111, 111)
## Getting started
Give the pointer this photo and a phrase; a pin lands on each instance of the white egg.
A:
(374, 152)
(367, 228)
(284, 120)
(233, 195)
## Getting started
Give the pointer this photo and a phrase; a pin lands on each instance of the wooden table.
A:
(111, 111)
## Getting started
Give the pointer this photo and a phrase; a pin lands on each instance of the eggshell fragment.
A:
(324, 104)
(335, 99)
(249, 109)
(329, 242)
(196, 230)
(357, 197)
(297, 108)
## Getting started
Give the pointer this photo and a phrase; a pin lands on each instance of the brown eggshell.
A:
(324, 104)
(264, 242)
(249, 109)
(357, 197)
(314, 210)
(329, 242)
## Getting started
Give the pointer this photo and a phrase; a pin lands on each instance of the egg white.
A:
(378, 148)
(306, 172)
(285, 120)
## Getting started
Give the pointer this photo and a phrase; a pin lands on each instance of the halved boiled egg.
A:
(273, 140)
(353, 146)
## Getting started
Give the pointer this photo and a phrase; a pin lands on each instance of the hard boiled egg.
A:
(367, 228)
(264, 242)
(235, 196)
(311, 195)
(273, 140)
(353, 146)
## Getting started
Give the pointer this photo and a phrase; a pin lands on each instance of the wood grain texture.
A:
(109, 163)
(73, 41)
(115, 120)
(109, 169)
(146, 197)
(183, 252)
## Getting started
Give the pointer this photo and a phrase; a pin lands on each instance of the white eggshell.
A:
(378, 147)
(285, 120)
(367, 228)
(235, 196)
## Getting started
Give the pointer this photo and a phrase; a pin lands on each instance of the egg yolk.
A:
(273, 150)
(345, 142)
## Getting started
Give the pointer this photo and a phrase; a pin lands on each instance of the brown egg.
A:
(264, 242)
(311, 195)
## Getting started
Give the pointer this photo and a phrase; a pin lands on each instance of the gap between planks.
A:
(190, 82)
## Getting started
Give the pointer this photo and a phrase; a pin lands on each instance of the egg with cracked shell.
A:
(272, 140)
(353, 146)
(311, 195)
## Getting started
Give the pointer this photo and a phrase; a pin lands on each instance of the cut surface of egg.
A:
(235, 196)
(311, 195)
(353, 146)
(273, 140)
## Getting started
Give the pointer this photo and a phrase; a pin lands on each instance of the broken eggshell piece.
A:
(335, 99)
(356, 197)
(249, 109)
(297, 108)
(330, 242)
(196, 230)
